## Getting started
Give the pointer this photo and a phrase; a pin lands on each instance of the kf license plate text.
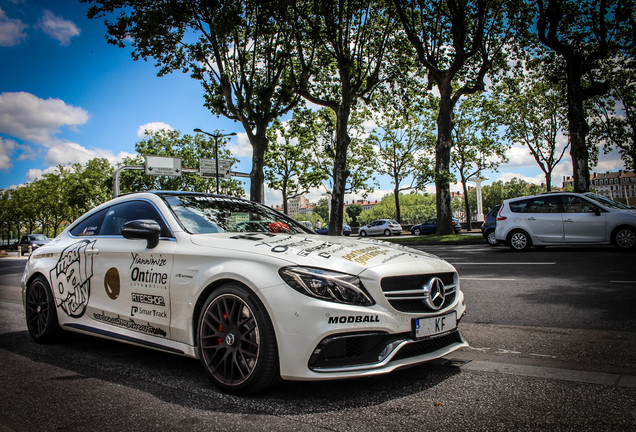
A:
(426, 327)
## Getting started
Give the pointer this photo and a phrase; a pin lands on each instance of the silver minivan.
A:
(565, 218)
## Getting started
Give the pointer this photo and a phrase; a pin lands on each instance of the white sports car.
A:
(250, 292)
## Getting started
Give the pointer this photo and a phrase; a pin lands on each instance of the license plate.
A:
(426, 327)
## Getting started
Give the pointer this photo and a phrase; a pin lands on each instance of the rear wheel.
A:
(624, 238)
(237, 345)
(41, 316)
(490, 238)
(519, 241)
(387, 232)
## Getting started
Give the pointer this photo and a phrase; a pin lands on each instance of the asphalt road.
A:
(553, 347)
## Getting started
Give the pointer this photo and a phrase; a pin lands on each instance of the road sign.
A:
(163, 166)
(207, 168)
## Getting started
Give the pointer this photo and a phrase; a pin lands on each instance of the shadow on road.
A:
(182, 381)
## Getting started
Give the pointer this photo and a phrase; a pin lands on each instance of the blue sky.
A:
(67, 96)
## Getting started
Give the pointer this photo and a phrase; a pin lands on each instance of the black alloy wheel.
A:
(41, 316)
(237, 345)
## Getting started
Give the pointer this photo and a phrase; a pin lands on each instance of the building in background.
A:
(617, 185)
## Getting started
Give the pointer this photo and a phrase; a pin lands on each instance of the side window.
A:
(574, 204)
(117, 215)
(547, 204)
(89, 226)
(519, 206)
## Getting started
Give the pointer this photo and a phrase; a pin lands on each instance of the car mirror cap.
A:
(144, 229)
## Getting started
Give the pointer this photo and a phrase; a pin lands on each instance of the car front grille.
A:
(407, 294)
(368, 350)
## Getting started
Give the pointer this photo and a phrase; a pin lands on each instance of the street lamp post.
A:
(216, 150)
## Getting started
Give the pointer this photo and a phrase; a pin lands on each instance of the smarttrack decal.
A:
(129, 324)
(71, 278)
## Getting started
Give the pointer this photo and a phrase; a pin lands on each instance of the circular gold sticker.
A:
(111, 283)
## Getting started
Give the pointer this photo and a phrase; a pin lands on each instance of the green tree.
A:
(190, 149)
(613, 116)
(289, 166)
(237, 50)
(533, 110)
(88, 186)
(457, 43)
(402, 140)
(322, 209)
(341, 53)
(476, 144)
(353, 211)
(584, 34)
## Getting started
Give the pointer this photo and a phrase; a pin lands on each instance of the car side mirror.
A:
(596, 211)
(144, 229)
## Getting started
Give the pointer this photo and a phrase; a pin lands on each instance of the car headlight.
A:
(326, 285)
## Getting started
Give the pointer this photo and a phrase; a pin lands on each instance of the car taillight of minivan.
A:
(499, 216)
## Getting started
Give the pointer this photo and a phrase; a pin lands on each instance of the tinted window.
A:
(574, 204)
(542, 204)
(89, 226)
(117, 215)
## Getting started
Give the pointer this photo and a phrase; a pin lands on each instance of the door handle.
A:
(568, 220)
(92, 251)
(532, 218)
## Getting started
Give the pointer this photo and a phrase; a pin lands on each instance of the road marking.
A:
(488, 279)
(600, 378)
(623, 282)
(503, 263)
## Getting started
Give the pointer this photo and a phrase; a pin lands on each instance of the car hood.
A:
(337, 253)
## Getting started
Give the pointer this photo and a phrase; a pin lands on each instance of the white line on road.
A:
(488, 279)
(503, 263)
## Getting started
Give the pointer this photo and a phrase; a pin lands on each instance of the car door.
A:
(542, 218)
(374, 227)
(583, 221)
(132, 288)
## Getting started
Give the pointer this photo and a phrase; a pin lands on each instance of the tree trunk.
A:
(340, 172)
(466, 205)
(257, 176)
(578, 129)
(396, 192)
(442, 160)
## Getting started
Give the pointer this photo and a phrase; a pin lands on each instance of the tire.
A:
(236, 341)
(362, 233)
(417, 232)
(519, 241)
(491, 239)
(387, 233)
(41, 314)
(624, 238)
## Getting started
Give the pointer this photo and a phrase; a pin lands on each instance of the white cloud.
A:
(152, 128)
(242, 148)
(11, 30)
(58, 28)
(66, 152)
(7, 147)
(27, 117)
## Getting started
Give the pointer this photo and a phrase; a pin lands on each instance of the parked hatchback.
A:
(489, 225)
(384, 227)
(565, 218)
(430, 227)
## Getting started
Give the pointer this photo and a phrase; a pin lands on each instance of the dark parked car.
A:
(346, 230)
(430, 227)
(489, 225)
(33, 240)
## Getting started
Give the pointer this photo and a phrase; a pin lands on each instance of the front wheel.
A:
(624, 238)
(237, 344)
(41, 316)
(417, 231)
(362, 233)
(519, 241)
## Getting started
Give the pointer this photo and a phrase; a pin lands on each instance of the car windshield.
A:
(606, 201)
(203, 214)
(39, 237)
